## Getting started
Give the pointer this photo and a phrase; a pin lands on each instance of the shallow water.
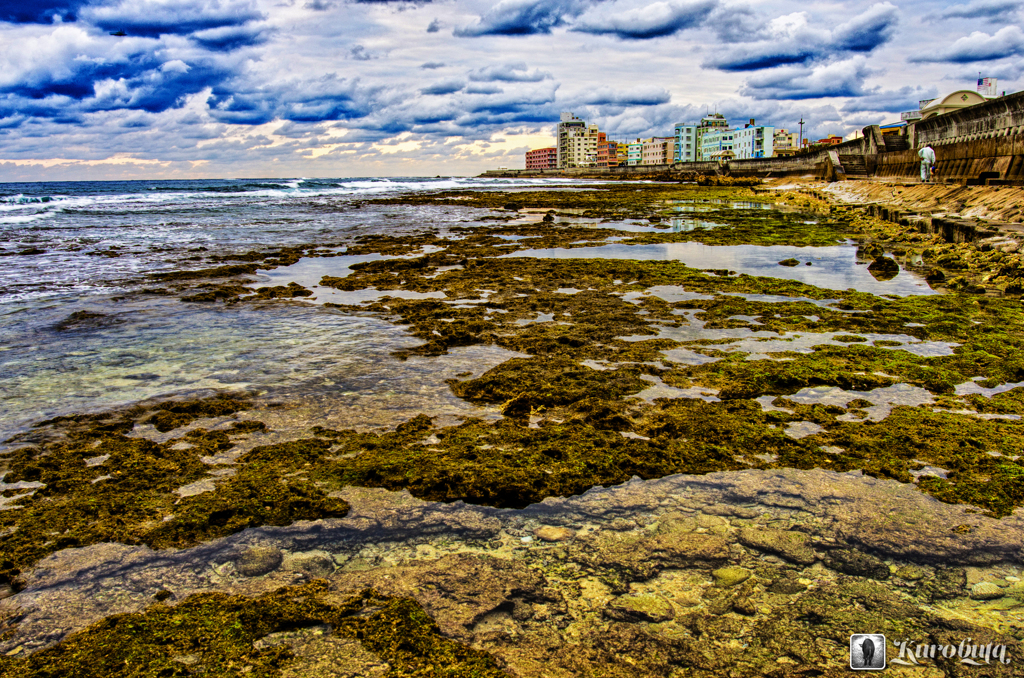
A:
(834, 268)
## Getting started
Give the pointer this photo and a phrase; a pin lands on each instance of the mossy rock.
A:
(222, 635)
(789, 262)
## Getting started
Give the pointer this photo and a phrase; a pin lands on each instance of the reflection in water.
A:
(833, 267)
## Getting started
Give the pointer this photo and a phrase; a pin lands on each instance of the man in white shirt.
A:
(927, 156)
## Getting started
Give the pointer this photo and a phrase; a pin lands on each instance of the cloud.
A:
(444, 87)
(152, 18)
(890, 101)
(523, 17)
(230, 38)
(434, 26)
(430, 65)
(638, 96)
(735, 23)
(39, 11)
(869, 30)
(514, 72)
(69, 72)
(841, 79)
(978, 46)
(653, 21)
(328, 98)
(793, 41)
(991, 10)
(484, 89)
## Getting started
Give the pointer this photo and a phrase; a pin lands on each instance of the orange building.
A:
(831, 140)
(607, 151)
(542, 158)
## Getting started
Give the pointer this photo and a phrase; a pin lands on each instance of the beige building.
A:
(658, 151)
(577, 143)
(786, 143)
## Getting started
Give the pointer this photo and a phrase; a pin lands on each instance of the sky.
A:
(151, 89)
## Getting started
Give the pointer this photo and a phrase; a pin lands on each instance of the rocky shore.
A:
(723, 465)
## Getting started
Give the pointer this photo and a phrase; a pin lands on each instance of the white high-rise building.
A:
(753, 141)
(577, 142)
(686, 142)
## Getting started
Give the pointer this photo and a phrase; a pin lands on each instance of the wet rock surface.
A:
(652, 561)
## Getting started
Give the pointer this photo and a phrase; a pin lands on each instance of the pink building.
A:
(542, 158)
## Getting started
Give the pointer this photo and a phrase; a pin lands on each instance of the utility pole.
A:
(801, 143)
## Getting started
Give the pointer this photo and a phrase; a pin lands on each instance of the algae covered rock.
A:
(784, 543)
(730, 576)
(857, 563)
(948, 583)
(884, 268)
(870, 250)
(311, 563)
(640, 608)
(259, 560)
(912, 572)
(789, 262)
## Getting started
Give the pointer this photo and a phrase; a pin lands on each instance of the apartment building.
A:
(785, 142)
(577, 142)
(542, 158)
(607, 151)
(686, 142)
(657, 151)
(709, 123)
(754, 141)
(634, 153)
(717, 144)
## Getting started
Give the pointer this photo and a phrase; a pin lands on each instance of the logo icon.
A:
(867, 652)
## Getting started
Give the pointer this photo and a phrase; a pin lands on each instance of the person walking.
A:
(927, 156)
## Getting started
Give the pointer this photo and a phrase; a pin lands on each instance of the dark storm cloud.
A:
(151, 19)
(523, 17)
(444, 87)
(643, 96)
(39, 11)
(138, 82)
(801, 44)
(325, 99)
(978, 46)
(654, 21)
(230, 38)
(514, 72)
(991, 10)
(865, 32)
(434, 26)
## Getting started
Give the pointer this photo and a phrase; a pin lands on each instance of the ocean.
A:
(84, 247)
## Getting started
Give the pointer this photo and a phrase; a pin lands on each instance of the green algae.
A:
(219, 634)
(98, 484)
(579, 410)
